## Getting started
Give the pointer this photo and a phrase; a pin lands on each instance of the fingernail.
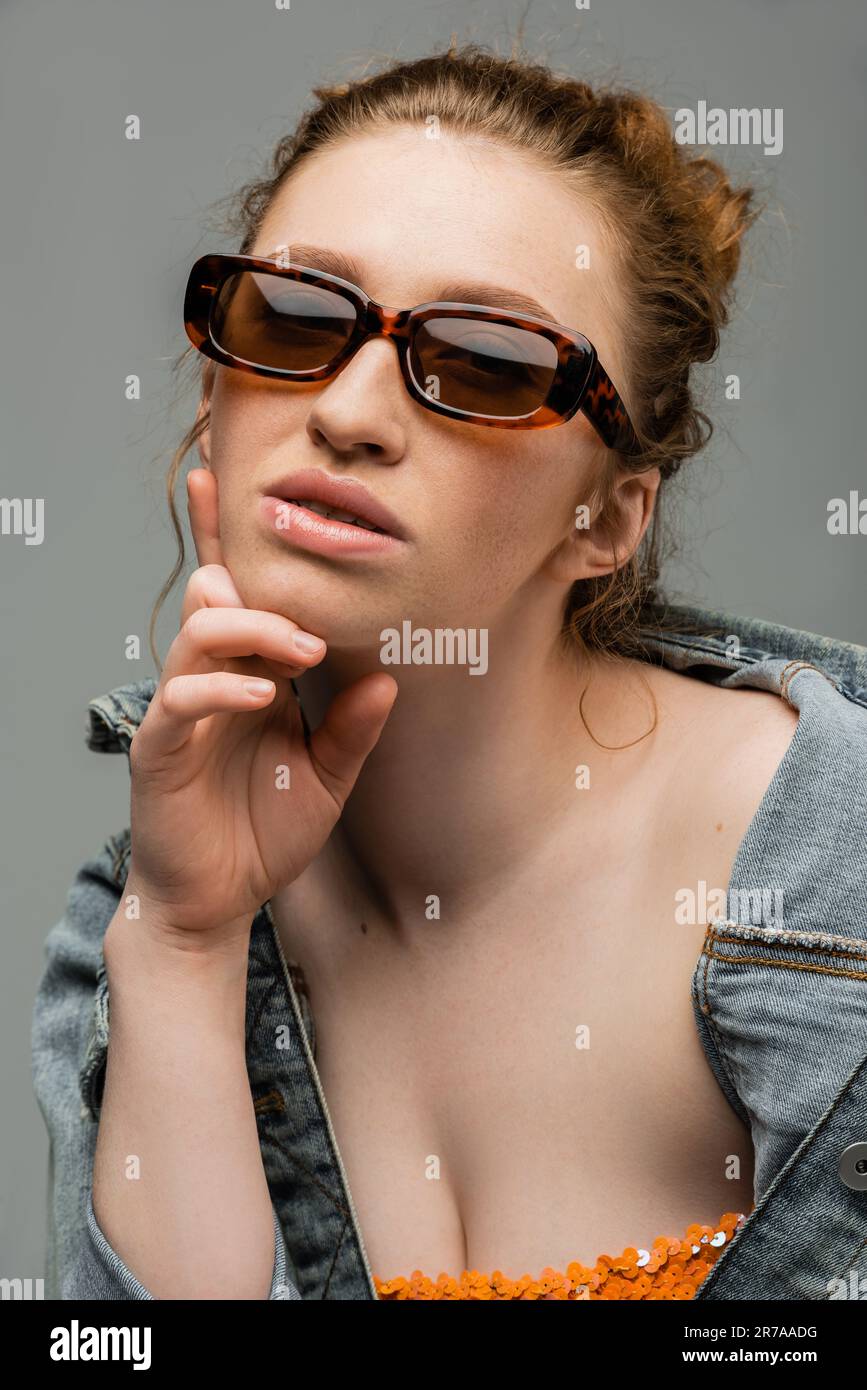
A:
(257, 687)
(306, 642)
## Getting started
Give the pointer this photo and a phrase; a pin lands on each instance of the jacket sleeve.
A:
(101, 1273)
(69, 1046)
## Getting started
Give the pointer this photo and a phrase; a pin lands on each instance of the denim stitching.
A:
(334, 1258)
(793, 945)
(794, 668)
(787, 965)
(311, 1177)
(827, 942)
(264, 1000)
(271, 1103)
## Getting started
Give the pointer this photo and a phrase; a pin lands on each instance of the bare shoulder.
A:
(734, 739)
(702, 702)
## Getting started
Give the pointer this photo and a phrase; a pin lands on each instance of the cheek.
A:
(243, 439)
(524, 500)
(250, 419)
(487, 537)
(508, 472)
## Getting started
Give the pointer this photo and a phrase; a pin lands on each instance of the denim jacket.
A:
(779, 1001)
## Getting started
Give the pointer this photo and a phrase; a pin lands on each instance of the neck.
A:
(476, 774)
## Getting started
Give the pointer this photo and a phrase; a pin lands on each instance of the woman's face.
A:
(488, 514)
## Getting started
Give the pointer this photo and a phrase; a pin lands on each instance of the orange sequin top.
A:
(670, 1269)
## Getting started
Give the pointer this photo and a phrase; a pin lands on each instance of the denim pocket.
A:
(782, 1015)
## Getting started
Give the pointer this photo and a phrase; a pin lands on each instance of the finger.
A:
(204, 514)
(212, 636)
(210, 586)
(184, 700)
(349, 731)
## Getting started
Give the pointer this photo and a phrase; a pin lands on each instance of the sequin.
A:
(671, 1270)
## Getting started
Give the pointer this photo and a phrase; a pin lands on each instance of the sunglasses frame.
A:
(580, 381)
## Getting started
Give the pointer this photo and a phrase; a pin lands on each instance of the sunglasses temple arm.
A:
(607, 414)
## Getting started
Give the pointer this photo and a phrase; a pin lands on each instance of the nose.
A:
(358, 413)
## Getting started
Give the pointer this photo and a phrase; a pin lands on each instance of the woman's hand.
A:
(228, 803)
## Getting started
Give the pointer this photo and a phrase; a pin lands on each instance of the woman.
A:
(430, 927)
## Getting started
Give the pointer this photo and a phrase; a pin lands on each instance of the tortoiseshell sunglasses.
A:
(484, 366)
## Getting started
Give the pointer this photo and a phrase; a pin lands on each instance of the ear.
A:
(598, 544)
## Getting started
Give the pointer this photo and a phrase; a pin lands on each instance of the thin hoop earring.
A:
(614, 747)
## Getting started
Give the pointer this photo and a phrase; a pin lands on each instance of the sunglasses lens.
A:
(271, 321)
(483, 368)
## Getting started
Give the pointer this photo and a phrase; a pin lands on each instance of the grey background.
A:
(97, 237)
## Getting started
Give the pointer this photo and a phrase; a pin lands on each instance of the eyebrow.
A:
(466, 292)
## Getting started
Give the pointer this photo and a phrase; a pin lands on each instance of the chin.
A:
(340, 609)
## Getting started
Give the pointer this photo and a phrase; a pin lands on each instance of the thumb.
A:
(204, 512)
(350, 730)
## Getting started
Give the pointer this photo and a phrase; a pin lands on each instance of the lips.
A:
(337, 499)
(332, 514)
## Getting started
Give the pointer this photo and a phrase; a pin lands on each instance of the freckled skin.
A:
(489, 508)
(455, 1037)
